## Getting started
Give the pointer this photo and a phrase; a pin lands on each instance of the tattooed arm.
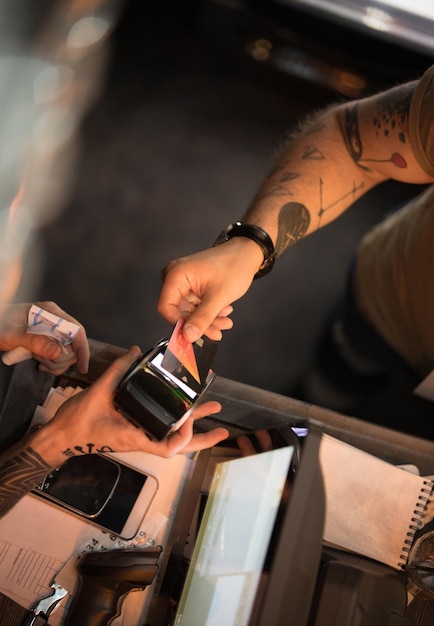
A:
(326, 165)
(88, 423)
(21, 469)
(333, 160)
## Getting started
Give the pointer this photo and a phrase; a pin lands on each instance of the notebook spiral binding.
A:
(417, 522)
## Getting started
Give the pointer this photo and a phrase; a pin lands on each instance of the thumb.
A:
(197, 323)
(36, 344)
(113, 375)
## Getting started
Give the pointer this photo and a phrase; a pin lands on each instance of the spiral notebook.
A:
(373, 508)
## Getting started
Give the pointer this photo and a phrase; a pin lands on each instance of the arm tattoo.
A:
(90, 448)
(294, 220)
(274, 191)
(391, 117)
(352, 136)
(392, 112)
(19, 475)
(312, 153)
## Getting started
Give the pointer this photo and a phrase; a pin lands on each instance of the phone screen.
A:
(85, 483)
(102, 490)
(130, 486)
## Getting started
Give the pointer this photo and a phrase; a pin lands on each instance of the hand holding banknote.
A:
(45, 332)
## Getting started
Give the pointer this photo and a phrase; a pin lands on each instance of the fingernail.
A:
(191, 332)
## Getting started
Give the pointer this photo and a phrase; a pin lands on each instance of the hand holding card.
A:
(189, 362)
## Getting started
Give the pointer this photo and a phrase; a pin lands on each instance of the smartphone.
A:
(110, 494)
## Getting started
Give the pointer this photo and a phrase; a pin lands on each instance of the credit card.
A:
(189, 362)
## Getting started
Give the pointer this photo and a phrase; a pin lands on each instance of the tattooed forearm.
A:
(19, 474)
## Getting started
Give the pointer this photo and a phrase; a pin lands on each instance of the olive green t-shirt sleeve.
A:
(421, 121)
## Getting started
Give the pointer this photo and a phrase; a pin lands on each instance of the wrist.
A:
(255, 234)
(47, 443)
(244, 253)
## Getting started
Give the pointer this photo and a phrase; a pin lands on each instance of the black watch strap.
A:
(256, 234)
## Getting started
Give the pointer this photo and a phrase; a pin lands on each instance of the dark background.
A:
(184, 131)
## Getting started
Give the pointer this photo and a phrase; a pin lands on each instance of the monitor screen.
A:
(233, 540)
(254, 542)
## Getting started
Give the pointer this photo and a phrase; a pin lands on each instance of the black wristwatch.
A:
(256, 234)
